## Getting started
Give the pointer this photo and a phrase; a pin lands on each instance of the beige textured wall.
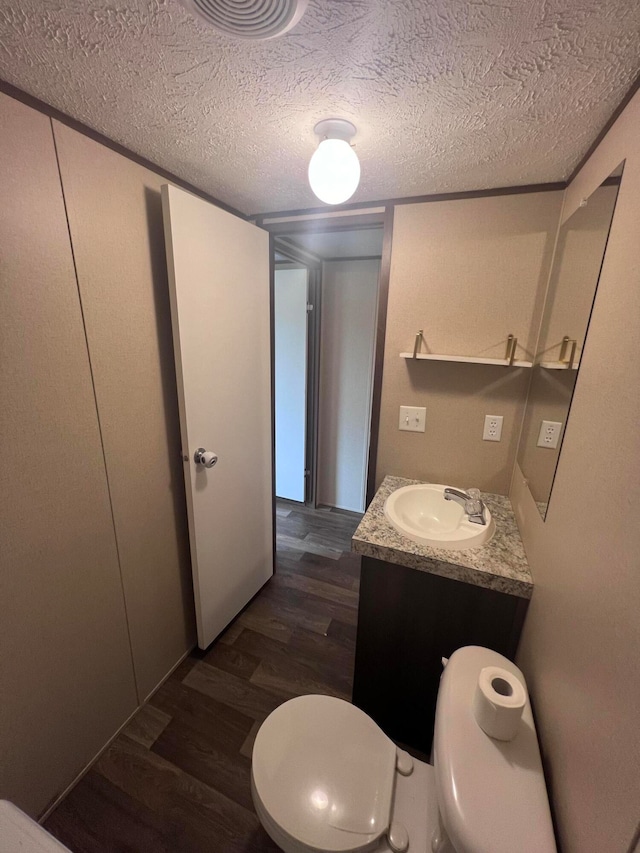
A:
(347, 343)
(66, 679)
(581, 643)
(115, 217)
(572, 285)
(549, 399)
(469, 273)
(574, 277)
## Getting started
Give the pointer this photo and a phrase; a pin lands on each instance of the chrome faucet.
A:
(471, 503)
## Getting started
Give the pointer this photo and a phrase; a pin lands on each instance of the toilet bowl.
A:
(325, 777)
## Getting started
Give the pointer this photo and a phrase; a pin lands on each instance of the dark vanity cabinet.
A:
(408, 620)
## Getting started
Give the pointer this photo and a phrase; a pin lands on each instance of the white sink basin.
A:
(422, 514)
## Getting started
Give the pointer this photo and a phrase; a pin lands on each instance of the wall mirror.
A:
(573, 281)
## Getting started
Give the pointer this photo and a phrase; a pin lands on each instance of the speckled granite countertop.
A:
(500, 565)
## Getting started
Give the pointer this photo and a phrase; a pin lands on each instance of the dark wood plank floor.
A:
(177, 778)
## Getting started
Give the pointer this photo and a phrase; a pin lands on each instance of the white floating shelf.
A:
(465, 359)
(558, 365)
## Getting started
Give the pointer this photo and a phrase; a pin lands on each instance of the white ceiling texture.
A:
(447, 95)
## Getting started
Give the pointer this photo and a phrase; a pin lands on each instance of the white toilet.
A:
(326, 778)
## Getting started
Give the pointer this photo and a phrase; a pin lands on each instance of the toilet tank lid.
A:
(491, 794)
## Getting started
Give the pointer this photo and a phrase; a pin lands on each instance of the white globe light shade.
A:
(334, 171)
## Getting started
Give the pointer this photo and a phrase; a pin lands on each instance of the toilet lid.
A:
(324, 772)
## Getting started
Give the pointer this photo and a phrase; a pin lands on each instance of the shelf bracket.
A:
(563, 351)
(417, 346)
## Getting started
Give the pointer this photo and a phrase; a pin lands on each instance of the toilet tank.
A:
(491, 794)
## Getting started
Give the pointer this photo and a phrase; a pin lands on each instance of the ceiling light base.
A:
(335, 128)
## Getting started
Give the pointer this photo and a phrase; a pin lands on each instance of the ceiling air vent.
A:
(249, 19)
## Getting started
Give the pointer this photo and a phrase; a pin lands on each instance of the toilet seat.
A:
(323, 776)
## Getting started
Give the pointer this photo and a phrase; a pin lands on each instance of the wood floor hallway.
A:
(176, 780)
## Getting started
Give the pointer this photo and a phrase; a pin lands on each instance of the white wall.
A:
(119, 254)
(66, 675)
(96, 603)
(290, 381)
(581, 642)
(469, 273)
(349, 305)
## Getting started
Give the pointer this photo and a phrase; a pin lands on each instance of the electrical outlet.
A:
(492, 428)
(412, 418)
(549, 435)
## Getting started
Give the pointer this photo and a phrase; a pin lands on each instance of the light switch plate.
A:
(549, 434)
(492, 428)
(413, 418)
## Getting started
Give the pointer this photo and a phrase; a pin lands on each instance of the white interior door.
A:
(290, 344)
(220, 307)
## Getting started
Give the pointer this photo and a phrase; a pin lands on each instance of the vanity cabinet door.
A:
(408, 621)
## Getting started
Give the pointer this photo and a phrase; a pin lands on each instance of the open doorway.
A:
(327, 280)
(291, 351)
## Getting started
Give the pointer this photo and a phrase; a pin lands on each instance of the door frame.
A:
(378, 355)
(279, 226)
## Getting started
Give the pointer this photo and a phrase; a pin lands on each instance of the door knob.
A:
(205, 457)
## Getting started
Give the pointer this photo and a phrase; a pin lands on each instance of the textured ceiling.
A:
(447, 95)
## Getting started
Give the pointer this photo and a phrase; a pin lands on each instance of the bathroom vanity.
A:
(419, 604)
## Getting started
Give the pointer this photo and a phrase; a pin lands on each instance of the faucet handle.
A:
(474, 505)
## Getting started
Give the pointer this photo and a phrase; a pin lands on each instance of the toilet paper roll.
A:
(498, 703)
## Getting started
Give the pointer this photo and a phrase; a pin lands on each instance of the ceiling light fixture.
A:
(334, 169)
